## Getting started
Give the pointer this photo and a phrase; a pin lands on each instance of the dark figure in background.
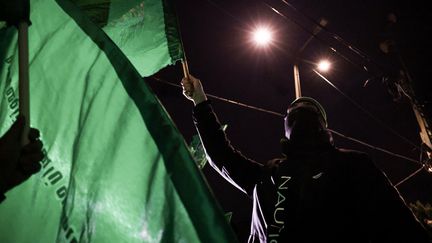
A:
(316, 192)
(18, 163)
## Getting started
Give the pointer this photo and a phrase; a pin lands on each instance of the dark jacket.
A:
(325, 195)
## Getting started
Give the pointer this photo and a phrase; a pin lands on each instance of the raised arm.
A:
(226, 160)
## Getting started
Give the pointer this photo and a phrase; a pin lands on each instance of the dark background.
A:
(216, 38)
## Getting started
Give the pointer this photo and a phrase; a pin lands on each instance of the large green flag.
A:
(145, 30)
(116, 168)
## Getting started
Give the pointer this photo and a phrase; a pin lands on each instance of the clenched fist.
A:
(193, 90)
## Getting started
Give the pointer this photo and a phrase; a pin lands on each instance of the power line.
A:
(226, 100)
(283, 115)
(334, 50)
(415, 172)
(349, 46)
(375, 147)
(410, 176)
(361, 67)
(337, 37)
(225, 11)
(365, 111)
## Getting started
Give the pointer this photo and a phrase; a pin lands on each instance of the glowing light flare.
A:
(262, 36)
(324, 65)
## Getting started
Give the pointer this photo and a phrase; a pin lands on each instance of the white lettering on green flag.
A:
(116, 168)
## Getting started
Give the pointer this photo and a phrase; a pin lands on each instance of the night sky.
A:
(216, 38)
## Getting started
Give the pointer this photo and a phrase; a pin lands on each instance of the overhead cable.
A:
(358, 106)
(283, 115)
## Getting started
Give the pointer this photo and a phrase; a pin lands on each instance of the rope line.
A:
(283, 115)
(410, 176)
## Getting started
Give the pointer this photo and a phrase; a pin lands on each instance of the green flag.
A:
(145, 30)
(116, 168)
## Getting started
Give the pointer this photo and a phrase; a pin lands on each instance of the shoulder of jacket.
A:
(355, 159)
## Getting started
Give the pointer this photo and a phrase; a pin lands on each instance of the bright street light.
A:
(324, 65)
(262, 36)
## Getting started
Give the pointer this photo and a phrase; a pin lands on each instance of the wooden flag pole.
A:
(24, 85)
(185, 68)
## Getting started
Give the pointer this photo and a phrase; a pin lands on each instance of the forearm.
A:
(200, 98)
(212, 136)
(229, 162)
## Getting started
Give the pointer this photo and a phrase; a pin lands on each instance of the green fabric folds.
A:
(144, 30)
(117, 169)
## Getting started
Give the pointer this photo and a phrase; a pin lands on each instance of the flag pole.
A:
(24, 85)
(184, 62)
(185, 67)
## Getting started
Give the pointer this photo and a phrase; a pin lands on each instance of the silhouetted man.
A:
(315, 192)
